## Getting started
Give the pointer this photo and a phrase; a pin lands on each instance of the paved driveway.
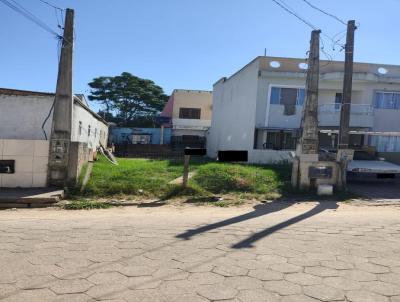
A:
(275, 252)
(378, 190)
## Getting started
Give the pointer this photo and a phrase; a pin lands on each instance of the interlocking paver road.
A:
(274, 252)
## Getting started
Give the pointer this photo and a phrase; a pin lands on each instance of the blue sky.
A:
(182, 43)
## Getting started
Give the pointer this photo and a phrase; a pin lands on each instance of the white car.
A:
(373, 166)
(364, 163)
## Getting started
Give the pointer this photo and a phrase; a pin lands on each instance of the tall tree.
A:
(129, 96)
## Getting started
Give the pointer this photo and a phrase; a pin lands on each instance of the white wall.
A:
(22, 138)
(31, 159)
(82, 115)
(21, 117)
(234, 112)
(270, 156)
(241, 103)
(181, 123)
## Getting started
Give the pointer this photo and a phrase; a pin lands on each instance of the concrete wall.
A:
(270, 156)
(119, 134)
(31, 159)
(79, 155)
(234, 112)
(192, 99)
(180, 132)
(21, 117)
(22, 114)
(191, 124)
(98, 130)
(386, 120)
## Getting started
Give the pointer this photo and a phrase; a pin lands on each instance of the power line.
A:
(291, 11)
(28, 15)
(294, 14)
(52, 5)
(324, 12)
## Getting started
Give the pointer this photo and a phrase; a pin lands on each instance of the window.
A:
(338, 100)
(280, 140)
(80, 128)
(95, 132)
(88, 133)
(385, 143)
(287, 96)
(387, 100)
(189, 113)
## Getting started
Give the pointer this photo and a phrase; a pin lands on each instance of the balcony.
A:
(193, 124)
(361, 115)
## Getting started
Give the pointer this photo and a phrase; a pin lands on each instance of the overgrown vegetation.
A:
(82, 204)
(151, 179)
(222, 178)
(219, 184)
(131, 177)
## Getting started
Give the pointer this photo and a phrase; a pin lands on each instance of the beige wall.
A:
(31, 158)
(193, 99)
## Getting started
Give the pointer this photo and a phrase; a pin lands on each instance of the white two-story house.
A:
(259, 108)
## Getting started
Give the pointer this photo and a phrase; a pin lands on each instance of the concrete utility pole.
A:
(62, 116)
(309, 135)
(307, 147)
(347, 87)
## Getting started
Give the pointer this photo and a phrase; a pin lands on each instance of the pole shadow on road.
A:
(261, 210)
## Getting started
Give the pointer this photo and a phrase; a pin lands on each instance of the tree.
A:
(130, 97)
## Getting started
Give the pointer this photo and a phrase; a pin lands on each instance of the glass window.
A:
(301, 94)
(275, 95)
(338, 100)
(387, 100)
(283, 96)
(385, 143)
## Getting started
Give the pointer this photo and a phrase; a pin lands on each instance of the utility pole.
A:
(60, 140)
(307, 147)
(309, 135)
(347, 87)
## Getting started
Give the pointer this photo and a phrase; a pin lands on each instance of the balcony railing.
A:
(357, 109)
(361, 115)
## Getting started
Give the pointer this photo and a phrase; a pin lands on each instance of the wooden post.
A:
(347, 87)
(185, 170)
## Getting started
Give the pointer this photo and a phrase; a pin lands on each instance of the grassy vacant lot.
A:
(150, 178)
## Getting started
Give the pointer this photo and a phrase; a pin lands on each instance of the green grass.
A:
(223, 178)
(86, 205)
(131, 177)
(150, 178)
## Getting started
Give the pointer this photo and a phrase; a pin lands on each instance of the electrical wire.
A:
(47, 118)
(52, 5)
(324, 12)
(28, 15)
(334, 40)
(292, 12)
